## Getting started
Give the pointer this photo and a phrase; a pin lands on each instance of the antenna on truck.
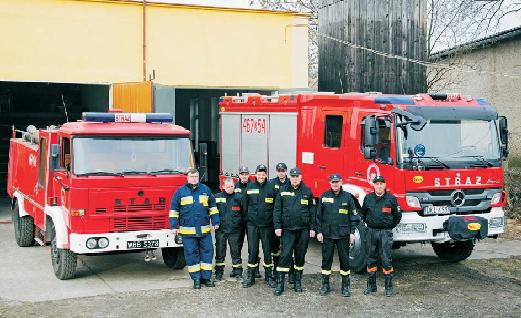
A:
(65, 109)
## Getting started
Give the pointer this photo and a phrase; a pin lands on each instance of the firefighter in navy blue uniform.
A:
(280, 180)
(240, 187)
(294, 217)
(231, 214)
(260, 197)
(192, 208)
(335, 228)
(381, 213)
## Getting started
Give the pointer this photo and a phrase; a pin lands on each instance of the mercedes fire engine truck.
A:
(441, 154)
(99, 185)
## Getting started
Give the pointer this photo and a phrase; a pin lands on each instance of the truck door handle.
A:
(322, 167)
(358, 173)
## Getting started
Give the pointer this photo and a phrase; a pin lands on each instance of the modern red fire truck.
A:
(99, 185)
(441, 154)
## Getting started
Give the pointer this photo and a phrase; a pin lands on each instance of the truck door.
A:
(377, 156)
(330, 158)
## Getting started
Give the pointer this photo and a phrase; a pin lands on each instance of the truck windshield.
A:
(443, 143)
(131, 155)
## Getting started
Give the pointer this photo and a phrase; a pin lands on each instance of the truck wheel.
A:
(173, 257)
(358, 251)
(454, 252)
(63, 261)
(23, 228)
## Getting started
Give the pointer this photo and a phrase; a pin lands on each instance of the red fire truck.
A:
(441, 154)
(99, 185)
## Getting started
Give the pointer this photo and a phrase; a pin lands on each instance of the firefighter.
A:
(294, 217)
(260, 197)
(381, 213)
(231, 214)
(335, 228)
(192, 208)
(240, 187)
(280, 180)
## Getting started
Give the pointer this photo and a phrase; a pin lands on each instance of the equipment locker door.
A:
(254, 140)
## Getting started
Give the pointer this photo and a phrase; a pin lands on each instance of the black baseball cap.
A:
(295, 172)
(244, 169)
(335, 177)
(378, 179)
(281, 166)
(261, 168)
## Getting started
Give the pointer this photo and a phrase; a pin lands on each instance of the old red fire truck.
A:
(441, 154)
(99, 185)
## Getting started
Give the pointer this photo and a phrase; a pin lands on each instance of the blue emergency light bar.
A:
(127, 117)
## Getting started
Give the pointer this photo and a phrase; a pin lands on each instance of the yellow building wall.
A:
(81, 41)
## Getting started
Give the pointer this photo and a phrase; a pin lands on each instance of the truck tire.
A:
(173, 257)
(453, 252)
(63, 261)
(358, 251)
(23, 228)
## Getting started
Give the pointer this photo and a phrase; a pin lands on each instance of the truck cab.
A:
(100, 185)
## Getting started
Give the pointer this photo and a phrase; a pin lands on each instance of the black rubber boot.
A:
(389, 285)
(291, 276)
(371, 284)
(279, 289)
(209, 282)
(268, 277)
(219, 271)
(346, 292)
(197, 284)
(326, 288)
(250, 279)
(237, 273)
(297, 286)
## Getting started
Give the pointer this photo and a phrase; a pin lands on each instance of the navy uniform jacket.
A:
(294, 208)
(191, 210)
(381, 212)
(334, 214)
(241, 187)
(232, 212)
(260, 199)
(277, 184)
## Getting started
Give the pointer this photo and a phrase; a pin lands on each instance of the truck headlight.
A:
(496, 222)
(92, 243)
(413, 201)
(496, 198)
(103, 242)
(410, 228)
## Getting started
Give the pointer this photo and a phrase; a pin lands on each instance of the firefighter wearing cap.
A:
(381, 213)
(280, 180)
(191, 209)
(240, 187)
(294, 217)
(335, 228)
(260, 198)
(231, 215)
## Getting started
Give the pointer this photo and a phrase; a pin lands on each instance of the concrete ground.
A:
(28, 284)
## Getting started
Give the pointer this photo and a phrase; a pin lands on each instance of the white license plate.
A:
(436, 210)
(143, 244)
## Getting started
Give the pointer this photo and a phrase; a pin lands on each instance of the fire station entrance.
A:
(42, 104)
(198, 111)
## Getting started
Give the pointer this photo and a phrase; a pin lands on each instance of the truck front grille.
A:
(132, 208)
(137, 223)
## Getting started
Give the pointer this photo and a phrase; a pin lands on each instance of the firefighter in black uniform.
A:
(232, 217)
(334, 227)
(280, 180)
(294, 217)
(381, 213)
(260, 198)
(240, 187)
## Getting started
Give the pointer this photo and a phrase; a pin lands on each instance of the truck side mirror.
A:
(55, 157)
(203, 162)
(369, 152)
(370, 126)
(503, 130)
